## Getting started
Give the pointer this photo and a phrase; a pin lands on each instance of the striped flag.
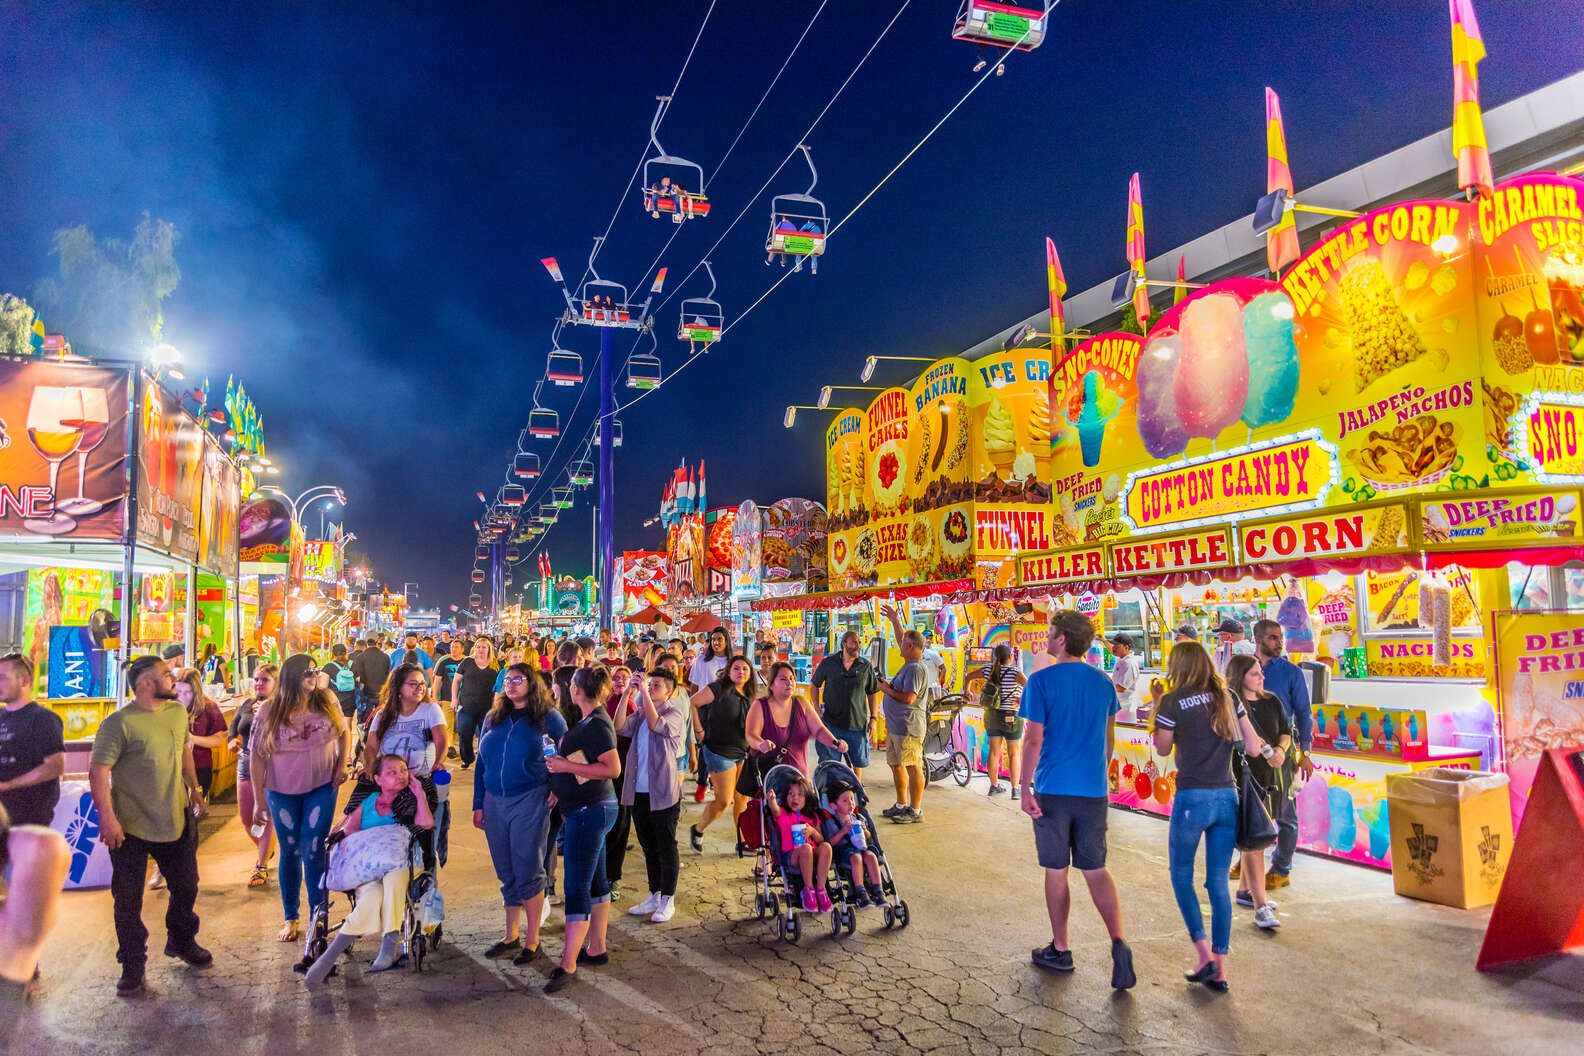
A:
(1281, 241)
(1057, 283)
(552, 267)
(1182, 280)
(1135, 250)
(659, 281)
(36, 335)
(1468, 126)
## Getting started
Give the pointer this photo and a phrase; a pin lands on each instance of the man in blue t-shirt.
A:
(1070, 710)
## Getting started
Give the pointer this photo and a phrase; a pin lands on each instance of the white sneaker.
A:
(544, 914)
(647, 906)
(665, 911)
(1265, 917)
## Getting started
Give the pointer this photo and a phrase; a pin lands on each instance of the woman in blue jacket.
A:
(511, 792)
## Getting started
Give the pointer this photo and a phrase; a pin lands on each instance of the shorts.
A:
(244, 771)
(857, 747)
(1071, 831)
(904, 751)
(717, 764)
(1004, 724)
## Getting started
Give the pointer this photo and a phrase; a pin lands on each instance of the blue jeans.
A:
(467, 734)
(302, 824)
(1286, 837)
(584, 854)
(1211, 813)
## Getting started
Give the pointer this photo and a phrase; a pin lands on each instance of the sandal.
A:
(288, 932)
(260, 876)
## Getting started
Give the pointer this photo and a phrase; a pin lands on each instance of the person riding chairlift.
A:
(783, 226)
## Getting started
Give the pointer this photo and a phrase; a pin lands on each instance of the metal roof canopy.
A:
(1542, 130)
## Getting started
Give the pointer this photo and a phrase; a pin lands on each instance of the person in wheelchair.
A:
(362, 848)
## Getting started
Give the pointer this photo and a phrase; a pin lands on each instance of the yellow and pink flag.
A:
(1135, 250)
(1468, 126)
(1182, 279)
(1057, 283)
(1281, 241)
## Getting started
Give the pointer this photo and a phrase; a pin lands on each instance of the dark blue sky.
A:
(364, 193)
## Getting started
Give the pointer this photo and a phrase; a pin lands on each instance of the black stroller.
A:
(831, 779)
(780, 894)
(941, 755)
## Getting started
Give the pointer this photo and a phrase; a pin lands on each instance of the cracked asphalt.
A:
(1355, 969)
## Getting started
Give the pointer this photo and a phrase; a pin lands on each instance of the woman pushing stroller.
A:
(378, 904)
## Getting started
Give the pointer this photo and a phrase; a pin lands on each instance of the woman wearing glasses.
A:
(511, 802)
(412, 726)
(297, 753)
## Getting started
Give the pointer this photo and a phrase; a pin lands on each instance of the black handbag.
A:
(1256, 830)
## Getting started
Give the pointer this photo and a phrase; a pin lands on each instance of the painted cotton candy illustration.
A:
(1213, 375)
(1158, 424)
(1272, 360)
(1314, 811)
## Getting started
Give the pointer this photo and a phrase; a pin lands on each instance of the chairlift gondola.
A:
(478, 575)
(507, 579)
(474, 601)
(672, 184)
(999, 25)
(548, 513)
(561, 498)
(543, 423)
(616, 433)
(798, 223)
(513, 495)
(643, 371)
(513, 554)
(582, 473)
(700, 320)
(564, 368)
(525, 464)
(604, 303)
(482, 553)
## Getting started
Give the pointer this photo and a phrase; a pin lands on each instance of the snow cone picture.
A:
(1100, 405)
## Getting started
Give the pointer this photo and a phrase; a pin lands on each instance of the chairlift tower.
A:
(605, 305)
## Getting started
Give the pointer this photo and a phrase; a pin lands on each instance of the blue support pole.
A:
(607, 479)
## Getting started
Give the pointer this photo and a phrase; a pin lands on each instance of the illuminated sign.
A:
(1346, 533)
(1064, 566)
(1294, 473)
(1176, 553)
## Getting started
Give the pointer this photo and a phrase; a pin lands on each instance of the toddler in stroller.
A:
(796, 836)
(856, 849)
(376, 858)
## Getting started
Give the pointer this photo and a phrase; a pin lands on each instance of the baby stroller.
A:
(941, 756)
(831, 779)
(780, 894)
(369, 855)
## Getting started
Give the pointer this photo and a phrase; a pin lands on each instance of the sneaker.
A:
(893, 810)
(996, 790)
(502, 948)
(1245, 899)
(1276, 880)
(810, 903)
(861, 899)
(192, 953)
(1236, 872)
(825, 904)
(876, 895)
(1122, 977)
(1015, 796)
(1052, 959)
(979, 65)
(909, 816)
(698, 794)
(665, 911)
(648, 905)
(615, 891)
(695, 839)
(1265, 917)
(131, 982)
(560, 979)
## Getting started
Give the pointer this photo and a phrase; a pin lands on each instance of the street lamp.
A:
(296, 507)
(825, 392)
(871, 361)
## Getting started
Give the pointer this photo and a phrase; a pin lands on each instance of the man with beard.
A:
(144, 783)
(848, 691)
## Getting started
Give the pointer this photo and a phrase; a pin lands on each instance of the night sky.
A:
(364, 192)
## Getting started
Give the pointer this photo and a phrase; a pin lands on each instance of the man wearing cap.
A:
(1125, 675)
(1185, 633)
(1232, 643)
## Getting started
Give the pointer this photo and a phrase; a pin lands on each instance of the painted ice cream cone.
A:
(1000, 437)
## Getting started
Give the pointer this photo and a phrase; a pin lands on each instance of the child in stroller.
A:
(796, 837)
(856, 848)
(376, 857)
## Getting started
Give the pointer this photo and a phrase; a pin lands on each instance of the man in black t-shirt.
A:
(370, 667)
(32, 747)
(444, 670)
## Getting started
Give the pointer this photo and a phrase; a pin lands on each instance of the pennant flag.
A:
(36, 335)
(1135, 250)
(553, 268)
(1182, 280)
(1468, 126)
(702, 504)
(1281, 241)
(659, 281)
(1057, 284)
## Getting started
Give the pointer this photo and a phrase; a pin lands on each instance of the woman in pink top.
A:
(298, 754)
(779, 726)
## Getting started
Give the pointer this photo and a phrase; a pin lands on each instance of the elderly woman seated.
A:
(375, 858)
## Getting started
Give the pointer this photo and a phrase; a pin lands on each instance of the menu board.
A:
(794, 543)
(1009, 404)
(747, 560)
(940, 486)
(643, 579)
(846, 493)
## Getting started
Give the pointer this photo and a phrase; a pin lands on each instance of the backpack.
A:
(343, 681)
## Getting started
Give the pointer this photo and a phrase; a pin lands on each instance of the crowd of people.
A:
(577, 744)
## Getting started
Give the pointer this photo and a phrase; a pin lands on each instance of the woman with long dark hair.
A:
(720, 711)
(1202, 722)
(298, 753)
(620, 704)
(412, 726)
(582, 769)
(1003, 727)
(511, 802)
(248, 796)
(1246, 680)
(206, 727)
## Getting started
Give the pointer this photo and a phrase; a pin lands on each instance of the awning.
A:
(837, 599)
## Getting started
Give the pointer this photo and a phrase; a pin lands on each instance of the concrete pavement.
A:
(1355, 969)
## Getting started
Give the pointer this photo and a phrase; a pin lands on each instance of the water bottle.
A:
(549, 746)
(856, 836)
(799, 837)
(442, 783)
(257, 829)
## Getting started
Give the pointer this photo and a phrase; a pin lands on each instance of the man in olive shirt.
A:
(146, 789)
(848, 691)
